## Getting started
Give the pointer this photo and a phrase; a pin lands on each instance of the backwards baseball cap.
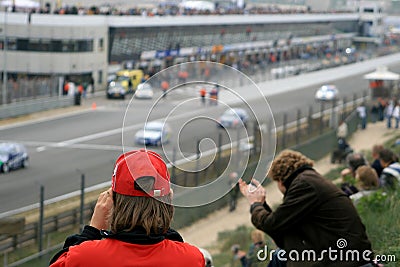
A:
(140, 165)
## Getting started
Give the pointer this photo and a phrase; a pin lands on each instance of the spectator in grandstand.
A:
(314, 214)
(367, 182)
(390, 177)
(131, 221)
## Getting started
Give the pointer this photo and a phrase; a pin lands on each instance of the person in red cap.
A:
(130, 225)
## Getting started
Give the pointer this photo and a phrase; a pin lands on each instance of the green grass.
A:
(380, 214)
(333, 174)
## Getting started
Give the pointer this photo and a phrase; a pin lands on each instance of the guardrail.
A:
(34, 105)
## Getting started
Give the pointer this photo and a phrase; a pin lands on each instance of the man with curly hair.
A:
(313, 217)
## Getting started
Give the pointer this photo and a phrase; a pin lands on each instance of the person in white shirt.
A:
(389, 113)
(342, 130)
(362, 114)
(396, 114)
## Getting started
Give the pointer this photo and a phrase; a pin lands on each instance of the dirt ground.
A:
(204, 233)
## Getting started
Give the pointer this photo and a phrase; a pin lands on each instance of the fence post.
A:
(82, 206)
(284, 130)
(257, 138)
(298, 125)
(310, 122)
(55, 218)
(185, 177)
(269, 139)
(334, 115)
(238, 145)
(344, 111)
(321, 118)
(15, 241)
(219, 153)
(173, 165)
(41, 218)
(197, 163)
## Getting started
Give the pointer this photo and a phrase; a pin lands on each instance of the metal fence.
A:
(25, 88)
(34, 105)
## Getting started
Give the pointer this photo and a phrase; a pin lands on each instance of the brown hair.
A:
(376, 149)
(286, 163)
(387, 155)
(368, 177)
(152, 214)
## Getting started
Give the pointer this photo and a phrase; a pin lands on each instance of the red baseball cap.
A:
(132, 166)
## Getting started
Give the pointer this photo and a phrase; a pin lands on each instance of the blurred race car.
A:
(233, 117)
(144, 91)
(154, 133)
(327, 92)
(13, 156)
(116, 90)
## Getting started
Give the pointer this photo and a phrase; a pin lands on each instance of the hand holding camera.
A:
(253, 191)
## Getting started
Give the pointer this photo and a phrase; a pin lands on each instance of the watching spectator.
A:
(314, 215)
(376, 164)
(367, 182)
(130, 225)
(354, 161)
(390, 176)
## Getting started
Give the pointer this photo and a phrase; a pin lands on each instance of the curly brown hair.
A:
(286, 163)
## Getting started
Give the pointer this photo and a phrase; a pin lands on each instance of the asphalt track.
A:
(88, 142)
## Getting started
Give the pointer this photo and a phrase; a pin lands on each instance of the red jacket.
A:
(127, 249)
